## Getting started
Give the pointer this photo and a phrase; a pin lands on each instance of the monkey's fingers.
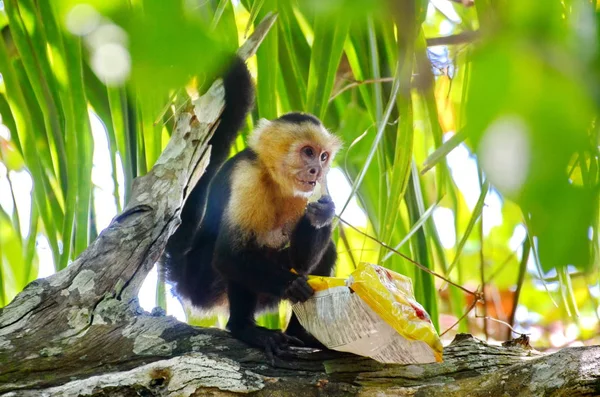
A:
(306, 288)
(278, 345)
(299, 290)
(325, 199)
(293, 300)
(321, 208)
(320, 214)
(275, 346)
(306, 292)
(292, 340)
(284, 340)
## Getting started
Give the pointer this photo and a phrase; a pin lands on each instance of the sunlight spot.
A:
(588, 323)
(552, 286)
(505, 153)
(446, 27)
(339, 188)
(121, 180)
(112, 63)
(44, 253)
(6, 201)
(430, 11)
(572, 331)
(147, 294)
(492, 211)
(463, 167)
(108, 33)
(551, 274)
(444, 223)
(22, 189)
(531, 263)
(174, 307)
(4, 132)
(521, 314)
(82, 19)
(104, 200)
(560, 335)
(517, 238)
(446, 8)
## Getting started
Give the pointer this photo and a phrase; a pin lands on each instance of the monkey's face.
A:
(296, 154)
(312, 165)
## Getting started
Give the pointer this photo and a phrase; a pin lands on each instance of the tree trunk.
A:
(81, 331)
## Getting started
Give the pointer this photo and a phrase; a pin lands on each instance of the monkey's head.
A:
(296, 150)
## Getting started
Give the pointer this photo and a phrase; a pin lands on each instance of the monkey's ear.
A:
(254, 138)
(336, 144)
(262, 123)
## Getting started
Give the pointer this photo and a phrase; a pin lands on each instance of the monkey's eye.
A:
(308, 151)
(324, 156)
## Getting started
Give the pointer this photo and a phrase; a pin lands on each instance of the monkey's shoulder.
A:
(256, 206)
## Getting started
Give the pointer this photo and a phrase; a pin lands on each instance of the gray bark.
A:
(81, 331)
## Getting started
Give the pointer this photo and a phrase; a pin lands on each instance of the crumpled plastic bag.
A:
(373, 313)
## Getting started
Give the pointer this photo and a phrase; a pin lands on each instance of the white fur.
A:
(300, 193)
(257, 132)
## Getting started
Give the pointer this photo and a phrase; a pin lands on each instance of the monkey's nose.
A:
(313, 171)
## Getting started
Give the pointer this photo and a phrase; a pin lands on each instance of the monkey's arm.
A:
(311, 250)
(308, 247)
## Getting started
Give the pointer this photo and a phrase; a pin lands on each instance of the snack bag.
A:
(373, 313)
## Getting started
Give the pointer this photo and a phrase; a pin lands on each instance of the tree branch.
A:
(459, 38)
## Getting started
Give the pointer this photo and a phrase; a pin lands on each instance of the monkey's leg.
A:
(324, 268)
(296, 330)
(242, 305)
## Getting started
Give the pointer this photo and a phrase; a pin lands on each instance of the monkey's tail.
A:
(239, 99)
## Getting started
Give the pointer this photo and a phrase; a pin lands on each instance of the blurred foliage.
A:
(471, 135)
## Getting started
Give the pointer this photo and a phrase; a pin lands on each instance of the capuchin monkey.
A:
(248, 222)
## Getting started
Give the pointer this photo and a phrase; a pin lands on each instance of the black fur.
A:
(297, 118)
(211, 264)
(239, 99)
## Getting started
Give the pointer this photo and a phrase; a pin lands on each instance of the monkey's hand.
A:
(299, 290)
(320, 213)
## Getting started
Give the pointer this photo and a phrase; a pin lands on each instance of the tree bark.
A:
(82, 332)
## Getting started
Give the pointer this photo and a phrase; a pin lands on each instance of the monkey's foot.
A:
(274, 342)
(307, 339)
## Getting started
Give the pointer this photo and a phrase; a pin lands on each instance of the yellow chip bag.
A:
(373, 313)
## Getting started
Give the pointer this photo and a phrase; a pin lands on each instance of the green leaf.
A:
(475, 215)
(327, 49)
(268, 70)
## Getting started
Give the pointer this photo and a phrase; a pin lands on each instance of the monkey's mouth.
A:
(312, 184)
